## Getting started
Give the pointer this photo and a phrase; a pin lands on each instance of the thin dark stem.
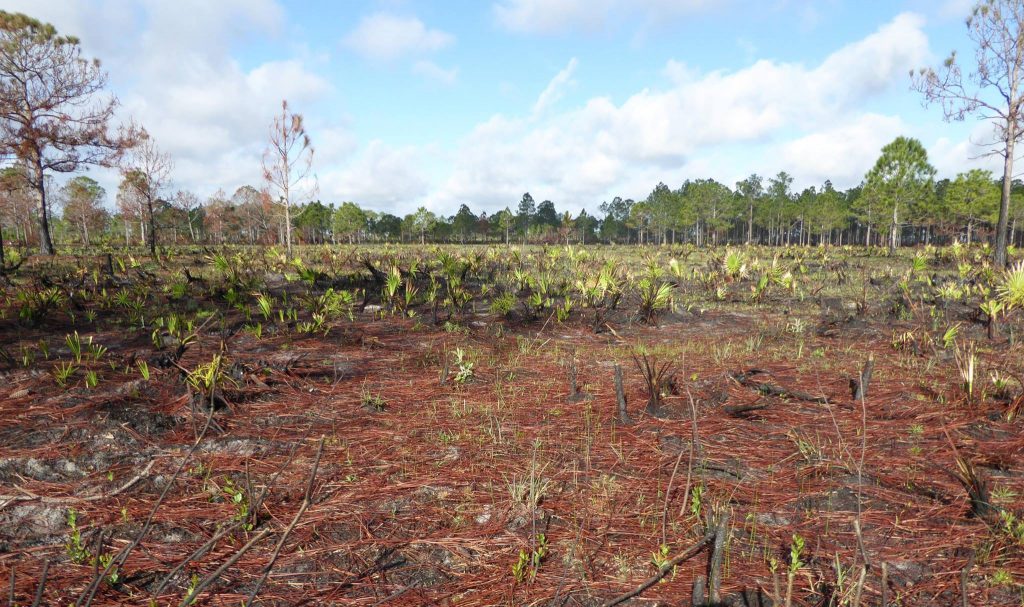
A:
(667, 568)
(306, 501)
(42, 584)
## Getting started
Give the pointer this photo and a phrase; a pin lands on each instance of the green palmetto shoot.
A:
(266, 305)
(991, 309)
(1011, 289)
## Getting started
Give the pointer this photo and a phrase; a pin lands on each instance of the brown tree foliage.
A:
(51, 119)
(145, 172)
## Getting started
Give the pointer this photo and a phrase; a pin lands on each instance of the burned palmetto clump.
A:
(977, 490)
(659, 377)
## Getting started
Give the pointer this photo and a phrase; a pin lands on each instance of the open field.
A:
(397, 425)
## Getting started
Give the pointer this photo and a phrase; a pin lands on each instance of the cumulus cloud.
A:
(598, 149)
(175, 74)
(950, 156)
(382, 177)
(548, 16)
(386, 37)
(840, 153)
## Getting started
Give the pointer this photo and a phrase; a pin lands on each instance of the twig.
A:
(228, 528)
(86, 598)
(201, 586)
(393, 595)
(668, 497)
(860, 586)
(42, 584)
(694, 447)
(196, 554)
(306, 501)
(687, 554)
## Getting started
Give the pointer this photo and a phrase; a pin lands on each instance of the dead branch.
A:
(667, 568)
(769, 389)
(306, 501)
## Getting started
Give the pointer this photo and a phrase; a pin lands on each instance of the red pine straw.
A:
(412, 504)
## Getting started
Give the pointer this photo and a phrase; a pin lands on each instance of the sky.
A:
(437, 103)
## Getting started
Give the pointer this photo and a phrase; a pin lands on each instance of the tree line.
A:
(893, 206)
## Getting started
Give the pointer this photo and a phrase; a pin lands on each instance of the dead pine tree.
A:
(992, 91)
(145, 172)
(288, 164)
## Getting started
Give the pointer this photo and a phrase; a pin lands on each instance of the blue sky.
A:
(411, 102)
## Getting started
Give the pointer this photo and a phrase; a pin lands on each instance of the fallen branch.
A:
(665, 569)
(118, 561)
(769, 389)
(739, 410)
(307, 499)
(202, 586)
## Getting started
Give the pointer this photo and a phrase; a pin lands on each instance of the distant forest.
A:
(703, 212)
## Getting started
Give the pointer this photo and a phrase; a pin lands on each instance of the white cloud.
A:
(554, 90)
(581, 155)
(548, 16)
(950, 156)
(432, 71)
(174, 72)
(387, 37)
(841, 153)
(382, 177)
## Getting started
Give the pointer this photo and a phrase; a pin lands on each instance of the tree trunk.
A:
(750, 222)
(152, 228)
(1004, 199)
(45, 244)
(893, 228)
